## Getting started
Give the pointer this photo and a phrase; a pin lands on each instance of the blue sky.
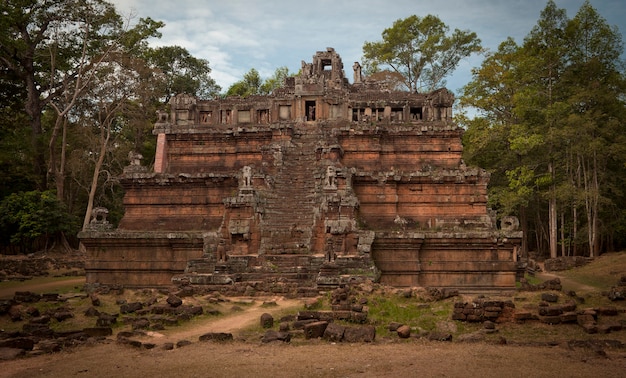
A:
(237, 35)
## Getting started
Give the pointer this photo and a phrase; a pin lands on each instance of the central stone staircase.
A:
(292, 207)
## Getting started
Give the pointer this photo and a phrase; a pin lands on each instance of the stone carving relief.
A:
(99, 220)
(162, 116)
(331, 178)
(134, 163)
(246, 177)
(358, 77)
(509, 223)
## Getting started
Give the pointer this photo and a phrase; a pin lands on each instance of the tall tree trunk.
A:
(33, 109)
(105, 135)
(524, 222)
(574, 231)
(594, 242)
(590, 181)
(563, 244)
(57, 163)
(552, 215)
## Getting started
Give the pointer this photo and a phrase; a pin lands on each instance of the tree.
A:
(595, 123)
(40, 39)
(421, 50)
(184, 73)
(491, 140)
(249, 85)
(50, 48)
(539, 104)
(275, 81)
(551, 129)
(16, 173)
(27, 216)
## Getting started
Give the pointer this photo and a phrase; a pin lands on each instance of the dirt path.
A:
(567, 283)
(7, 292)
(231, 323)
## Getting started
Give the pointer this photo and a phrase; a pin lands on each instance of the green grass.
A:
(602, 273)
(409, 311)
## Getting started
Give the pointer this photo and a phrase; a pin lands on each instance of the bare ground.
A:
(322, 359)
(313, 358)
(247, 356)
(39, 287)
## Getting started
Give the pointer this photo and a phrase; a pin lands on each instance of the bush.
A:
(28, 216)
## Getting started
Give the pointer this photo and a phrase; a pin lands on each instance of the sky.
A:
(237, 35)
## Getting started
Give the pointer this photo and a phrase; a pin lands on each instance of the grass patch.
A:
(409, 311)
(604, 272)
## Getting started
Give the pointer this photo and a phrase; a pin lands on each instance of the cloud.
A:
(237, 35)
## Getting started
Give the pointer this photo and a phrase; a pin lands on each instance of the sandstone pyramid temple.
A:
(317, 184)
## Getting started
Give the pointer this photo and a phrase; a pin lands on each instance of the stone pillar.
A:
(160, 159)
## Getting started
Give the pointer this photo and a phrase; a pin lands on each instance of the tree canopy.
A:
(422, 50)
(551, 128)
(80, 86)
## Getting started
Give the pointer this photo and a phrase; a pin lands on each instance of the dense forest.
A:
(552, 131)
(80, 86)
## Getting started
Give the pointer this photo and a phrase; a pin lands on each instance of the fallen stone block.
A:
(24, 343)
(98, 331)
(315, 330)
(569, 317)
(216, 336)
(267, 320)
(521, 315)
(334, 332)
(271, 335)
(365, 334)
(182, 343)
(607, 311)
(129, 308)
(439, 336)
(174, 301)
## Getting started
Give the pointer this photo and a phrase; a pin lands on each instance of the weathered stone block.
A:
(25, 343)
(590, 327)
(174, 301)
(549, 297)
(334, 332)
(267, 320)
(315, 330)
(360, 334)
(358, 317)
(569, 317)
(607, 311)
(271, 335)
(98, 331)
(128, 308)
(583, 319)
(459, 316)
(439, 336)
(521, 315)
(216, 336)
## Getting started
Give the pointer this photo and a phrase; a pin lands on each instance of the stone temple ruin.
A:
(318, 183)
